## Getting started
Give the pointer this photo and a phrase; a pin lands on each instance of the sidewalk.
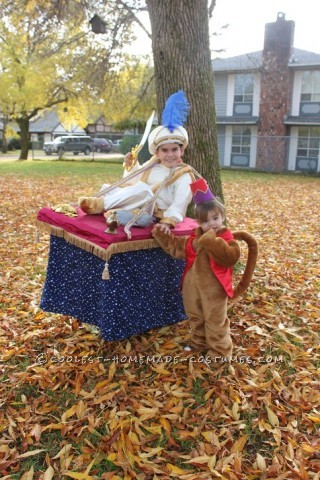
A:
(113, 157)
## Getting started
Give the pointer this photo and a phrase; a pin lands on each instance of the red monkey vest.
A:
(223, 274)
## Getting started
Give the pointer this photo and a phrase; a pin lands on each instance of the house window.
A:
(310, 89)
(308, 149)
(310, 93)
(243, 94)
(240, 146)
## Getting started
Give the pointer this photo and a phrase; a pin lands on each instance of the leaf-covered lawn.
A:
(65, 413)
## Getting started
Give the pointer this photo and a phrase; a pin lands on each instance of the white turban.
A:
(161, 135)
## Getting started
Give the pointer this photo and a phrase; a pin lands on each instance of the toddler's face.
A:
(214, 221)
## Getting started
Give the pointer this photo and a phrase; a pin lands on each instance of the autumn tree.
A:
(129, 94)
(48, 56)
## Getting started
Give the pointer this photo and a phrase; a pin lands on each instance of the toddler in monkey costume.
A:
(210, 252)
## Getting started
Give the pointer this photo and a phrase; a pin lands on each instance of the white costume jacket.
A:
(170, 203)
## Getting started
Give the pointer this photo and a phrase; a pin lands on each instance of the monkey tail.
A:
(250, 265)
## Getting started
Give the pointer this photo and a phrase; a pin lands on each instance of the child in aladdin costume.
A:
(164, 184)
(210, 252)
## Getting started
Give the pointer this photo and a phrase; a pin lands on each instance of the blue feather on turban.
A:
(175, 111)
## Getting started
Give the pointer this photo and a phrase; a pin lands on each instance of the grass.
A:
(198, 391)
(105, 466)
(47, 168)
(89, 169)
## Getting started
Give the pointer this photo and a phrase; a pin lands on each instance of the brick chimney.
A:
(278, 38)
(275, 94)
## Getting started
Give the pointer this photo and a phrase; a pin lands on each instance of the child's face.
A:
(214, 221)
(170, 154)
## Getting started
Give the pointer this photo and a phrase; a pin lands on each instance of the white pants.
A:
(127, 198)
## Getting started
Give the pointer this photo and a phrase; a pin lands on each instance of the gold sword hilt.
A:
(134, 152)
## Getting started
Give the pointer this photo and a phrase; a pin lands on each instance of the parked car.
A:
(116, 145)
(69, 143)
(102, 145)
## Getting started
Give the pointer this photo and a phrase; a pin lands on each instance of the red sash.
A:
(223, 274)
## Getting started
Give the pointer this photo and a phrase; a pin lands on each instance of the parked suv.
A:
(71, 143)
(102, 145)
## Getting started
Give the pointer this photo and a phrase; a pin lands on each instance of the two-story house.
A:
(268, 105)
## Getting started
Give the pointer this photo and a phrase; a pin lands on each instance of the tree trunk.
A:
(23, 123)
(182, 61)
(4, 147)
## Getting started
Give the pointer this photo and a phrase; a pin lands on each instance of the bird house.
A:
(98, 25)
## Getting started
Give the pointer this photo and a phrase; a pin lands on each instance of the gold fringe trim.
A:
(104, 254)
(131, 246)
(74, 240)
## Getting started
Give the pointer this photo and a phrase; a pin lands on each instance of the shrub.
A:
(130, 141)
(14, 144)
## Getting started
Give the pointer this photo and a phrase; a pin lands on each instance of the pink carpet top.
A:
(92, 228)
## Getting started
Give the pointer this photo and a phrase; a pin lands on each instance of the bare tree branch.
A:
(134, 17)
(34, 112)
(211, 8)
(143, 93)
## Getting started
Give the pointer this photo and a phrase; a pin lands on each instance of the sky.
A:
(247, 19)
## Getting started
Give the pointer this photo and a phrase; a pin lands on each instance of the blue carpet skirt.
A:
(143, 291)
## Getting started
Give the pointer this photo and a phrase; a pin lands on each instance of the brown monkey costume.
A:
(207, 279)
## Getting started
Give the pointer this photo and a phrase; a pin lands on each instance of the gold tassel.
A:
(105, 273)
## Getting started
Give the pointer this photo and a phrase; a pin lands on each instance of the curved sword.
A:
(135, 150)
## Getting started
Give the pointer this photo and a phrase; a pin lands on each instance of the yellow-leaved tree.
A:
(129, 94)
(49, 56)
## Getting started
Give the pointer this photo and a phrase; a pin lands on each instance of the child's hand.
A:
(128, 160)
(162, 227)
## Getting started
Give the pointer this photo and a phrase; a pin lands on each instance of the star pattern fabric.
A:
(143, 291)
